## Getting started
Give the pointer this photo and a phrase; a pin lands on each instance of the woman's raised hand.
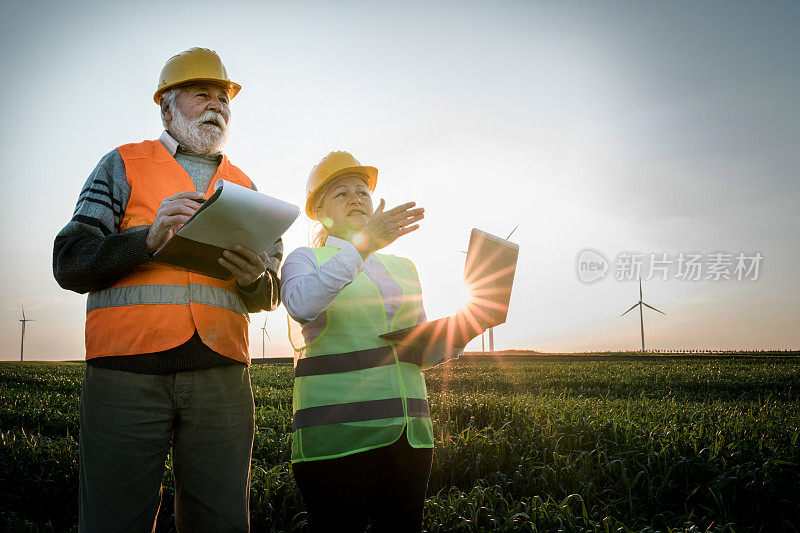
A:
(384, 227)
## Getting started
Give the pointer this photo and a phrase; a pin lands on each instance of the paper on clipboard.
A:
(239, 215)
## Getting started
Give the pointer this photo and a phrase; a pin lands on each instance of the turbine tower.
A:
(263, 333)
(22, 339)
(640, 303)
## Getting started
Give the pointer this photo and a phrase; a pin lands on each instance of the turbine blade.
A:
(512, 232)
(654, 309)
(632, 307)
(23, 311)
(265, 320)
(640, 289)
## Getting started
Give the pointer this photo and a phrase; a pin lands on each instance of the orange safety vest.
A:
(156, 307)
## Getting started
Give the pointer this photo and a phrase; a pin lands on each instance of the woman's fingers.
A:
(384, 227)
(403, 215)
(400, 223)
(396, 210)
(407, 229)
(411, 219)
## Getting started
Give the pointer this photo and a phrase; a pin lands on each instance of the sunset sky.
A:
(623, 127)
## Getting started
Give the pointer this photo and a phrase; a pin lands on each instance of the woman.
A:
(362, 435)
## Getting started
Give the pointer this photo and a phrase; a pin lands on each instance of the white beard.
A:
(197, 137)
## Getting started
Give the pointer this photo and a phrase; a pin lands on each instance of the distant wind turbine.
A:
(22, 339)
(264, 332)
(640, 303)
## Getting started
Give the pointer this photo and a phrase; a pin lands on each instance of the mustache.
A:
(213, 116)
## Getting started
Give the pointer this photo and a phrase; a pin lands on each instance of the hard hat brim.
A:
(371, 173)
(233, 88)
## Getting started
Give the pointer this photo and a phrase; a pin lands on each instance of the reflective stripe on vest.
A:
(166, 295)
(353, 390)
(358, 360)
(358, 412)
(156, 307)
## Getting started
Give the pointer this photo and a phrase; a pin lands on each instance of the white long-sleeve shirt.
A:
(308, 288)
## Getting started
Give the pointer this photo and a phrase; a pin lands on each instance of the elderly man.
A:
(166, 349)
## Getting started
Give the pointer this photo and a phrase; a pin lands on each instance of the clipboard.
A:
(232, 215)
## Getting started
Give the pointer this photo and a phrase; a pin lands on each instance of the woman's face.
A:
(346, 206)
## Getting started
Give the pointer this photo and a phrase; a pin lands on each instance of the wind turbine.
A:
(22, 339)
(264, 332)
(640, 303)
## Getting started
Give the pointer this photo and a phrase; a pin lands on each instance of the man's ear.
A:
(166, 112)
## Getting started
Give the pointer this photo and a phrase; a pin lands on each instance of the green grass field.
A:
(703, 444)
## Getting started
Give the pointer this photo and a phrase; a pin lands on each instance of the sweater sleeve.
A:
(90, 253)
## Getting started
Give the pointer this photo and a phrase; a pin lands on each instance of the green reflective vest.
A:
(354, 391)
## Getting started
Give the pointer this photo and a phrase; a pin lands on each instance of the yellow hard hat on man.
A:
(194, 65)
(332, 166)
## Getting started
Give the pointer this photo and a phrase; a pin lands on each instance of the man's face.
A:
(199, 117)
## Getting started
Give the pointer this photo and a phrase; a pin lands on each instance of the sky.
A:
(626, 128)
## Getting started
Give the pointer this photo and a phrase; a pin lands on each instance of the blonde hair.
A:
(317, 234)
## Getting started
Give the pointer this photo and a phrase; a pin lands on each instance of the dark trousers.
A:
(384, 487)
(128, 423)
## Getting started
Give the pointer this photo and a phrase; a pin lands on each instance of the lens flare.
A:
(463, 296)
(360, 240)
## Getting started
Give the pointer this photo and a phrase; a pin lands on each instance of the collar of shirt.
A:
(336, 242)
(169, 143)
